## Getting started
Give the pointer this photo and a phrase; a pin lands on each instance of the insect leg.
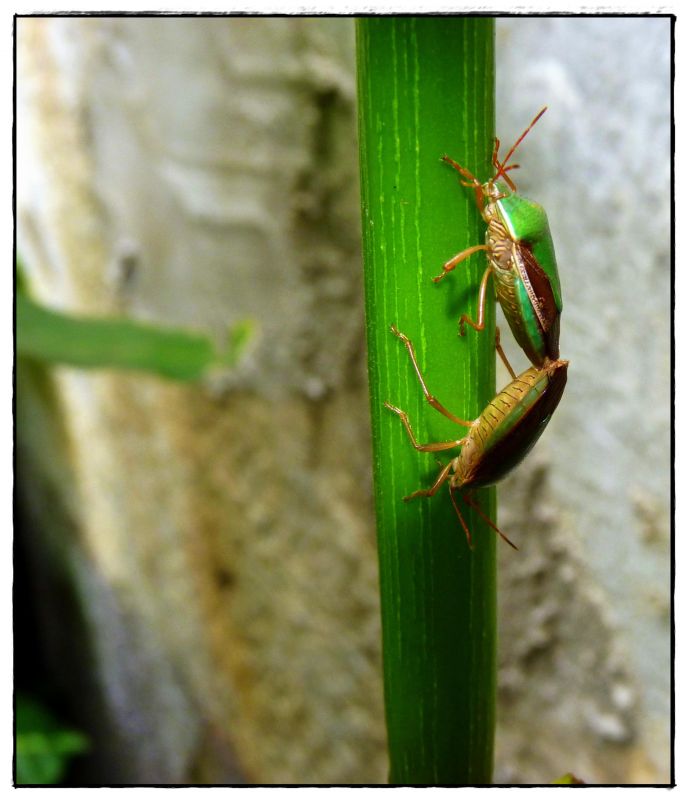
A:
(502, 354)
(471, 181)
(448, 266)
(430, 447)
(469, 500)
(482, 299)
(441, 478)
(434, 402)
(480, 324)
(460, 516)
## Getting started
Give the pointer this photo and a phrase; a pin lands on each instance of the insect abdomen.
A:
(510, 425)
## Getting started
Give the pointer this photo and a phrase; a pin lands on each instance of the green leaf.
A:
(569, 779)
(238, 338)
(43, 746)
(120, 343)
(426, 88)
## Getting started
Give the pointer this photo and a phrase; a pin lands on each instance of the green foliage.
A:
(44, 746)
(119, 343)
(426, 87)
(568, 780)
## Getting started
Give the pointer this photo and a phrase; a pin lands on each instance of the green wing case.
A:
(527, 222)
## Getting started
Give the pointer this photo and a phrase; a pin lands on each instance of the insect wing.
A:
(538, 287)
(527, 223)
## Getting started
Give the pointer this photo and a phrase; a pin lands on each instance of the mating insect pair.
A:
(521, 260)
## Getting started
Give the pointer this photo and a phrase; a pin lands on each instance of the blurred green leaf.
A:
(239, 336)
(43, 745)
(120, 343)
(20, 272)
(569, 779)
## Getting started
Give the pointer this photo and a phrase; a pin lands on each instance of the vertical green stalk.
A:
(426, 87)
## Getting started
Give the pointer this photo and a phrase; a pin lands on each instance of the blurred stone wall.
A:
(220, 545)
(587, 658)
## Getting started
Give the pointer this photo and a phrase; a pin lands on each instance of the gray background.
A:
(599, 161)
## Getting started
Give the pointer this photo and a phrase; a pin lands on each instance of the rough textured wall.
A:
(197, 172)
(219, 539)
(585, 649)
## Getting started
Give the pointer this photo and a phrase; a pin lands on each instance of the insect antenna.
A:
(501, 166)
(477, 508)
(501, 172)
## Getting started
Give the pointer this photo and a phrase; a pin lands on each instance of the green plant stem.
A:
(426, 87)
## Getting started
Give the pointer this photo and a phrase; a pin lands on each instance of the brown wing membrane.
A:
(542, 297)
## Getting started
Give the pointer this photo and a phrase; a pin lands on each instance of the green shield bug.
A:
(520, 256)
(498, 440)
